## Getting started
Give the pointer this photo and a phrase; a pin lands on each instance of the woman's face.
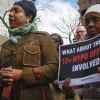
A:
(17, 17)
(92, 21)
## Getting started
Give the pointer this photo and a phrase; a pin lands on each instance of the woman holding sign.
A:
(92, 23)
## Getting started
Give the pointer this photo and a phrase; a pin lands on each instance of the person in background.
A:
(29, 58)
(66, 92)
(57, 40)
(56, 91)
(92, 22)
(80, 34)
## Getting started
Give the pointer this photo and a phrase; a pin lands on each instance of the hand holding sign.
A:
(98, 69)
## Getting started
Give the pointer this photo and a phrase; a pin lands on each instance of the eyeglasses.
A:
(80, 31)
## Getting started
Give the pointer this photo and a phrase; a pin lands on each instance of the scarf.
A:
(17, 33)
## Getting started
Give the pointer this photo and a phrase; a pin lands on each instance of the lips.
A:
(12, 22)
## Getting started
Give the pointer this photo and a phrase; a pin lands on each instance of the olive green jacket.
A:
(32, 50)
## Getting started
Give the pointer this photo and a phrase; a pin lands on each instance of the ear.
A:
(29, 18)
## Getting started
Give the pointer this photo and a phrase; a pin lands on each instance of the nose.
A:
(91, 23)
(11, 13)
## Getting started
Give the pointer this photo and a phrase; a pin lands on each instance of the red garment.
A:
(6, 92)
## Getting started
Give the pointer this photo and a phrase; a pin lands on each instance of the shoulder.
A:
(6, 44)
(41, 33)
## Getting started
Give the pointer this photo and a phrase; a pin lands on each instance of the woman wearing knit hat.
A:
(30, 57)
(92, 22)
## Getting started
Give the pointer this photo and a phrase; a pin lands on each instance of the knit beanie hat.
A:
(28, 6)
(93, 8)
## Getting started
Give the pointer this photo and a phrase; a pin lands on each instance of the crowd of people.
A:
(29, 60)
